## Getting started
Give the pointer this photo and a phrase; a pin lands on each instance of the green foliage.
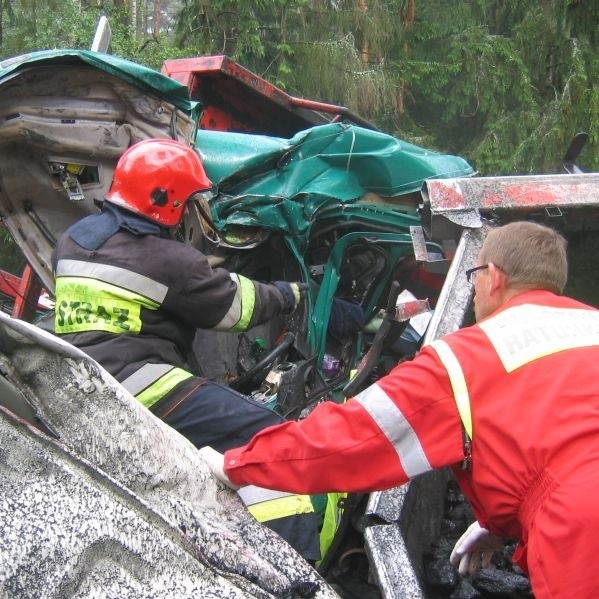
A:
(36, 25)
(261, 34)
(504, 83)
(33, 25)
(11, 257)
(479, 85)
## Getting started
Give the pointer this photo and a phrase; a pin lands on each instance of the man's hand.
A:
(474, 549)
(293, 294)
(216, 464)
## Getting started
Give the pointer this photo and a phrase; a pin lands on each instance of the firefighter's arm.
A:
(214, 298)
(293, 294)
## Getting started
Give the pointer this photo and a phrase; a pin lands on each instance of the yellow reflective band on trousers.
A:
(166, 383)
(246, 295)
(332, 517)
(458, 382)
(84, 304)
(292, 505)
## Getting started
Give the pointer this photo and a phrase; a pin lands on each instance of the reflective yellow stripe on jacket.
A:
(240, 313)
(102, 297)
(115, 275)
(332, 518)
(153, 381)
(99, 297)
(458, 382)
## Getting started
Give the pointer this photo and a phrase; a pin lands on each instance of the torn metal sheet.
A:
(62, 131)
(399, 529)
(98, 422)
(456, 295)
(395, 578)
(68, 530)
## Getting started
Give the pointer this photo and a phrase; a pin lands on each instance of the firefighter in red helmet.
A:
(132, 297)
(155, 178)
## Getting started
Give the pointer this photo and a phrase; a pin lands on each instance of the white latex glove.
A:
(474, 549)
(216, 464)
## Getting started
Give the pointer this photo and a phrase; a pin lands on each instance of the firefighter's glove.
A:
(216, 465)
(474, 549)
(292, 293)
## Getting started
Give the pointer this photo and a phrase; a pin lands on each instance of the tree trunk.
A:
(122, 4)
(408, 16)
(133, 9)
(157, 17)
(364, 49)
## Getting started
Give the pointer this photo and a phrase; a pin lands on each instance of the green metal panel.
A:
(138, 75)
(317, 180)
(286, 185)
(336, 160)
(398, 245)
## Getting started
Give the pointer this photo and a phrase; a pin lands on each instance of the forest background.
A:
(503, 83)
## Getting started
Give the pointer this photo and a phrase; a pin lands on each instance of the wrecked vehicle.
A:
(331, 205)
(101, 498)
(302, 191)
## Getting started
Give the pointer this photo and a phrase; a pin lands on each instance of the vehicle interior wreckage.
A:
(97, 493)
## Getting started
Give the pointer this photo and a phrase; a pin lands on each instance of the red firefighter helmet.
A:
(155, 177)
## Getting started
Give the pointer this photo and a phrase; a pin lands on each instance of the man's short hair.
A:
(532, 256)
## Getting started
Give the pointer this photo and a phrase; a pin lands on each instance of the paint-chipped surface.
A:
(517, 193)
(120, 526)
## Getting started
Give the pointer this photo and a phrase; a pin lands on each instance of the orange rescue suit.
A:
(531, 372)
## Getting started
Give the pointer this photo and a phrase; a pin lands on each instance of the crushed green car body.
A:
(329, 176)
(288, 184)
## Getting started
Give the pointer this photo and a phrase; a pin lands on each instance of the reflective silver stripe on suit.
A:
(252, 495)
(232, 317)
(145, 376)
(396, 428)
(115, 275)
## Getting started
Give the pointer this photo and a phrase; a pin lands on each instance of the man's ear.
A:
(497, 280)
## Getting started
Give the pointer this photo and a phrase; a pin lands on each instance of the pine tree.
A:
(504, 83)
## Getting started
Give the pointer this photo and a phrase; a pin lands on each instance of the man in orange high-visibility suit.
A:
(514, 399)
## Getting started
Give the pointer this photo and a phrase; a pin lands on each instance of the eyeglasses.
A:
(470, 272)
